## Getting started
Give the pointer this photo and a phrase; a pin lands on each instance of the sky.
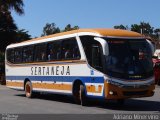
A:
(86, 13)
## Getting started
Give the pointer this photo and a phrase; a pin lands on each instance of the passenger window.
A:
(54, 51)
(40, 53)
(10, 55)
(70, 49)
(28, 54)
(18, 55)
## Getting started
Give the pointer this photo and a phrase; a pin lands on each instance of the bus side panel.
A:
(56, 78)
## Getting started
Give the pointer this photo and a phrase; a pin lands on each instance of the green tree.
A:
(7, 22)
(22, 35)
(157, 33)
(69, 28)
(8, 5)
(146, 28)
(136, 28)
(143, 28)
(50, 28)
(7, 26)
(157, 30)
(121, 27)
(7, 30)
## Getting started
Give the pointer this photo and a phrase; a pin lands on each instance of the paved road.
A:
(12, 101)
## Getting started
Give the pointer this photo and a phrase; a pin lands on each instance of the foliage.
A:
(143, 28)
(121, 27)
(2, 57)
(7, 22)
(16, 5)
(7, 30)
(8, 27)
(22, 35)
(69, 28)
(157, 32)
(2, 66)
(50, 28)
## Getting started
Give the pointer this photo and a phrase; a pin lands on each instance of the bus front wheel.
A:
(80, 95)
(28, 89)
(83, 98)
(121, 102)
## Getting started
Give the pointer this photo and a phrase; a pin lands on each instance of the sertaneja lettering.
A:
(49, 71)
(62, 72)
(39, 71)
(57, 70)
(68, 71)
(35, 70)
(32, 71)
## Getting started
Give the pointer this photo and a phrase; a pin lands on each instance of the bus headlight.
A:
(108, 80)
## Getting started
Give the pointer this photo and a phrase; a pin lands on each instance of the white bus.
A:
(85, 63)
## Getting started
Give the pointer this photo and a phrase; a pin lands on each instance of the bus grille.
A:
(135, 93)
(131, 87)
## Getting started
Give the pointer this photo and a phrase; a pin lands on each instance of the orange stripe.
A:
(93, 89)
(52, 86)
(14, 84)
(43, 85)
(55, 86)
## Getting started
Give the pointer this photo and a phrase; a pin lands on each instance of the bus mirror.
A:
(104, 45)
(152, 46)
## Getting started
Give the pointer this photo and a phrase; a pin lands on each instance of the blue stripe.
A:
(84, 79)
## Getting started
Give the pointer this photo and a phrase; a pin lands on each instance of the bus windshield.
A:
(129, 58)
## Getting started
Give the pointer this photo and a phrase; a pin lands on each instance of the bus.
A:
(106, 64)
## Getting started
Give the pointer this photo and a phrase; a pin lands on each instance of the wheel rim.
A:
(28, 90)
(80, 95)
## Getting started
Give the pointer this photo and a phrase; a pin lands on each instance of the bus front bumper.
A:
(114, 92)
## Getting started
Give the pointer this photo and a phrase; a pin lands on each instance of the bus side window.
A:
(40, 53)
(70, 49)
(28, 54)
(18, 55)
(10, 55)
(54, 51)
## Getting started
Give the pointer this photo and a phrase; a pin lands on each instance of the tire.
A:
(83, 98)
(28, 89)
(121, 102)
(80, 96)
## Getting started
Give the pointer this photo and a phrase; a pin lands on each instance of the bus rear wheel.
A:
(28, 89)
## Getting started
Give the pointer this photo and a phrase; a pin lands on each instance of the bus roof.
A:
(94, 32)
(102, 32)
